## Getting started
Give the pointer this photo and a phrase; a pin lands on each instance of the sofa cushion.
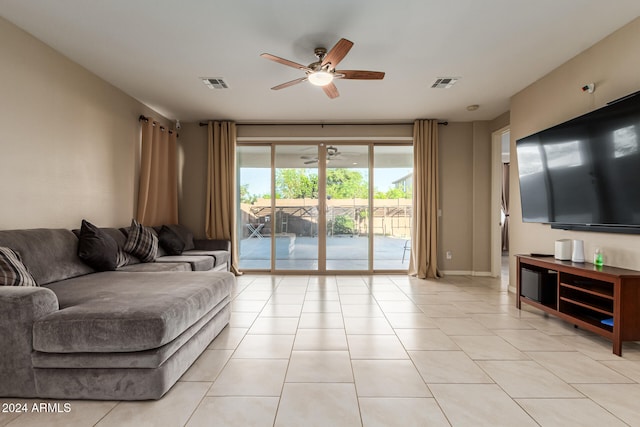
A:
(49, 254)
(155, 267)
(170, 241)
(128, 383)
(220, 257)
(198, 263)
(12, 271)
(139, 359)
(123, 311)
(141, 242)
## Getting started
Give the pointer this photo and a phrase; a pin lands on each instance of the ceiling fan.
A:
(332, 154)
(323, 71)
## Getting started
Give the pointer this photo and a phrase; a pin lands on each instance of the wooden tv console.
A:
(587, 294)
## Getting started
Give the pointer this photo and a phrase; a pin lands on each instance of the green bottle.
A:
(598, 259)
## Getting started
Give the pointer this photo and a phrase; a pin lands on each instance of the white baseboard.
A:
(456, 272)
(467, 273)
(483, 274)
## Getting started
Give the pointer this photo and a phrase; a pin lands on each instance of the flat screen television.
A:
(584, 174)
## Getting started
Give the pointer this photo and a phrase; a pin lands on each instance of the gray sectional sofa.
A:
(127, 334)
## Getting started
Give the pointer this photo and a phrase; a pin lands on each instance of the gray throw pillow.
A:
(96, 248)
(12, 271)
(170, 241)
(185, 235)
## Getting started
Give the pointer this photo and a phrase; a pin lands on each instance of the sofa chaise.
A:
(127, 334)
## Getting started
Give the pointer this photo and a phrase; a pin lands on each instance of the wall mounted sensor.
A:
(178, 125)
(590, 88)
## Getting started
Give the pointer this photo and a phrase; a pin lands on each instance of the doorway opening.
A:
(501, 142)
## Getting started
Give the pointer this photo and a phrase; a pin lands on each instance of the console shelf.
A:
(586, 295)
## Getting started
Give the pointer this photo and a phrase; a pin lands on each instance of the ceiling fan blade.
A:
(331, 90)
(285, 62)
(337, 53)
(291, 83)
(311, 161)
(360, 75)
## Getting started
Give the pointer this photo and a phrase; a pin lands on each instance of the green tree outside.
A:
(245, 197)
(296, 184)
(346, 184)
(341, 184)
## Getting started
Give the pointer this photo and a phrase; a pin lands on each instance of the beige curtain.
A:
(505, 206)
(221, 186)
(158, 189)
(423, 261)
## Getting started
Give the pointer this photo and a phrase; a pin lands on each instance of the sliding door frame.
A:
(322, 205)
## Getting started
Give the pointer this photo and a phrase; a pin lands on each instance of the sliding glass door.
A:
(347, 207)
(392, 210)
(295, 219)
(324, 207)
(254, 206)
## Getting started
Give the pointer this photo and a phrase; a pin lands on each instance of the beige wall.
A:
(465, 195)
(500, 122)
(481, 199)
(379, 132)
(192, 177)
(456, 196)
(69, 140)
(612, 64)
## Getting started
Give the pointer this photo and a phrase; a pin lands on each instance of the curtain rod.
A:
(145, 119)
(445, 123)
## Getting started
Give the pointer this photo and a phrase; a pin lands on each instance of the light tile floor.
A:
(383, 351)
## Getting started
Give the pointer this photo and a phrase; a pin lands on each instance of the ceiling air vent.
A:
(215, 83)
(444, 82)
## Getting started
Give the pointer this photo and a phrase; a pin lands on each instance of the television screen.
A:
(585, 171)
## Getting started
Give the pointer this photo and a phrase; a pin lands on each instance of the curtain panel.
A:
(158, 185)
(220, 222)
(423, 261)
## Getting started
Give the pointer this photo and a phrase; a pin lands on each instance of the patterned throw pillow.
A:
(141, 242)
(123, 258)
(12, 271)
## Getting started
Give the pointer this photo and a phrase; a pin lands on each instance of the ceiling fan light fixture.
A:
(320, 78)
(322, 72)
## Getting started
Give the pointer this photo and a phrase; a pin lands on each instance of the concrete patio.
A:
(344, 253)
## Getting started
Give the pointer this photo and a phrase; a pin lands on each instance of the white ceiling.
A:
(156, 51)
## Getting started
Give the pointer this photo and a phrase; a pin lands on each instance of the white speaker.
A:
(578, 251)
(563, 249)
